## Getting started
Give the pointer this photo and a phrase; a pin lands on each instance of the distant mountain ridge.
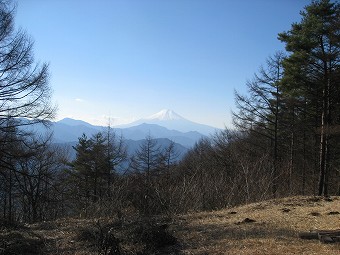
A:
(139, 132)
(164, 124)
(132, 146)
(66, 133)
(73, 122)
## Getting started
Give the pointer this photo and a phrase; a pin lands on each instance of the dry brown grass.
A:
(61, 236)
(274, 230)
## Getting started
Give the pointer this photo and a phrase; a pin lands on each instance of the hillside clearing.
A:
(269, 227)
(274, 229)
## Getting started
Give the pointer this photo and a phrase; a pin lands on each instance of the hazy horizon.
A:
(154, 116)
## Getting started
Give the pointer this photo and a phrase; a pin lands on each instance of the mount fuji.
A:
(173, 121)
(165, 114)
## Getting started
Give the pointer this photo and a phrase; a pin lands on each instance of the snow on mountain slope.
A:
(165, 114)
(173, 121)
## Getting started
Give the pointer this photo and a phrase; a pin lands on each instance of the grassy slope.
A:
(275, 231)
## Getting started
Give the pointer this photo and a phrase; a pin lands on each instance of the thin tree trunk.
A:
(275, 181)
(324, 141)
(10, 199)
(303, 190)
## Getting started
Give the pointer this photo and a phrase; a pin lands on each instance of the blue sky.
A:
(128, 59)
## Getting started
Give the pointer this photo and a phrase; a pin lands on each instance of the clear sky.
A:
(128, 59)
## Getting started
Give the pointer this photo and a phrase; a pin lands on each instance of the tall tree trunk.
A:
(10, 197)
(324, 139)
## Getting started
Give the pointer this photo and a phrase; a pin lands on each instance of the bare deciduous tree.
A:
(24, 88)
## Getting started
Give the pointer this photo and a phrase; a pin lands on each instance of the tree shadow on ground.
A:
(22, 241)
(210, 235)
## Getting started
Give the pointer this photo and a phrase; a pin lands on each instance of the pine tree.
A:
(94, 168)
(312, 74)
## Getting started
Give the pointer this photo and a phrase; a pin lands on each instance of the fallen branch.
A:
(325, 236)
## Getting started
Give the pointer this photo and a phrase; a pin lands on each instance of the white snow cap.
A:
(165, 114)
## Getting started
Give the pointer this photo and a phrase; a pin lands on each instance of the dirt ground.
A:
(269, 227)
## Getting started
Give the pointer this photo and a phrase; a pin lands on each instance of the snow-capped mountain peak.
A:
(173, 121)
(165, 114)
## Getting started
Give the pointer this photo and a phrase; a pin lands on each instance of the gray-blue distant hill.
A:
(164, 126)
